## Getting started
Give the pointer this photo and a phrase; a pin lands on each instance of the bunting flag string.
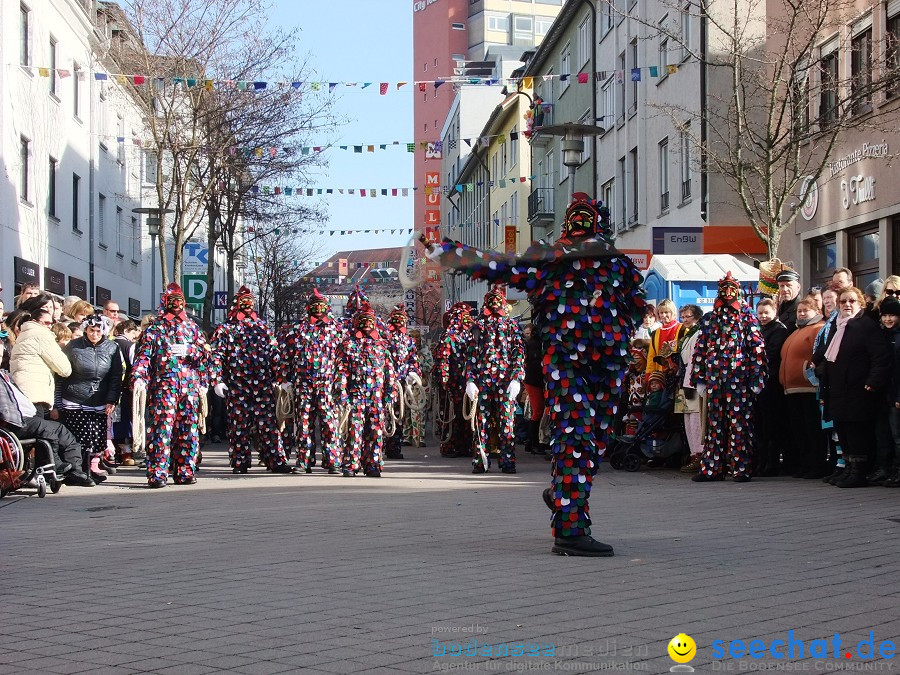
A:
(278, 190)
(383, 88)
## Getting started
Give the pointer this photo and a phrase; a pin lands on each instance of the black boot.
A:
(894, 480)
(838, 473)
(584, 545)
(856, 477)
(877, 476)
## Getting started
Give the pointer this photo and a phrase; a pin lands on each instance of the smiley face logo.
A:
(682, 648)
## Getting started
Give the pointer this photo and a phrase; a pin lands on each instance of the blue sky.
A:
(362, 41)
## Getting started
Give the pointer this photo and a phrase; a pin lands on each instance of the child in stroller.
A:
(658, 438)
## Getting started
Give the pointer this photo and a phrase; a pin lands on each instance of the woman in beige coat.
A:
(34, 360)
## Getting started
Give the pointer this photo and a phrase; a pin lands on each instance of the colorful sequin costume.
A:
(414, 421)
(311, 365)
(730, 366)
(367, 375)
(587, 298)
(172, 365)
(245, 358)
(449, 376)
(406, 366)
(496, 366)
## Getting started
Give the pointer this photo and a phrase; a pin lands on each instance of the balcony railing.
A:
(664, 201)
(540, 204)
(685, 189)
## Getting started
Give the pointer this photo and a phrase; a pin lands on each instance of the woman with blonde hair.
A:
(891, 289)
(79, 311)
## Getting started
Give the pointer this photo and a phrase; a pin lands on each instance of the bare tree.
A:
(278, 262)
(199, 109)
(777, 102)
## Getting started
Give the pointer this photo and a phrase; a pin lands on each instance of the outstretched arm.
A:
(486, 265)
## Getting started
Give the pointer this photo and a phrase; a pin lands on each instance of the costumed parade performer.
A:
(587, 298)
(406, 364)
(245, 363)
(414, 421)
(494, 374)
(311, 366)
(367, 376)
(729, 370)
(449, 377)
(171, 370)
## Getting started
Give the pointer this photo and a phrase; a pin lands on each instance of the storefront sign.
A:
(26, 272)
(866, 151)
(640, 258)
(856, 190)
(809, 193)
(134, 307)
(104, 295)
(677, 240)
(509, 239)
(78, 287)
(419, 5)
(54, 281)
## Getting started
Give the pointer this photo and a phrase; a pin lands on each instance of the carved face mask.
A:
(175, 304)
(366, 323)
(318, 309)
(398, 320)
(245, 303)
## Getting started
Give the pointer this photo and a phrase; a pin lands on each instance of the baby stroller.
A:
(659, 435)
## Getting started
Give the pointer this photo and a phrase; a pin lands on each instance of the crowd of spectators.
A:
(830, 407)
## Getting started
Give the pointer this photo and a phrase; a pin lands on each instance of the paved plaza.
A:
(432, 569)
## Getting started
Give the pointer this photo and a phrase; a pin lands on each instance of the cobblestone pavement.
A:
(324, 574)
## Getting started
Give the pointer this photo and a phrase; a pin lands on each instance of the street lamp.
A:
(154, 218)
(572, 145)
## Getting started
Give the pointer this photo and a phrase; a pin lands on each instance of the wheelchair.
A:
(27, 463)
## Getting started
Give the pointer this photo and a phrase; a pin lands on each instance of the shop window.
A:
(823, 254)
(864, 255)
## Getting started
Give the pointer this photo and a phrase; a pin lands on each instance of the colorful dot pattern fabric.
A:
(173, 394)
(586, 299)
(246, 359)
(730, 361)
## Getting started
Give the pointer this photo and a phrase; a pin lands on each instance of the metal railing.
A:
(540, 204)
(685, 189)
(664, 201)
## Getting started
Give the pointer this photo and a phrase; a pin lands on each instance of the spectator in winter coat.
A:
(771, 432)
(801, 403)
(887, 471)
(853, 366)
(34, 360)
(788, 292)
(88, 396)
(687, 401)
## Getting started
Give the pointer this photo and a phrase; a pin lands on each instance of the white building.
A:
(72, 163)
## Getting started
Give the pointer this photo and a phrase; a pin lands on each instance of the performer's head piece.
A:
(585, 217)
(364, 321)
(356, 299)
(398, 317)
(495, 301)
(317, 304)
(730, 290)
(243, 300)
(173, 298)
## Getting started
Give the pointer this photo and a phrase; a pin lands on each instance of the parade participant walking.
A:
(172, 368)
(310, 366)
(450, 362)
(367, 375)
(729, 369)
(587, 300)
(494, 375)
(245, 361)
(406, 364)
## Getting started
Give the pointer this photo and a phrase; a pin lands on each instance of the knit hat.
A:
(890, 306)
(658, 376)
(874, 289)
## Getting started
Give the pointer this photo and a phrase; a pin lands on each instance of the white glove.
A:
(179, 350)
(139, 386)
(413, 378)
(471, 390)
(756, 389)
(220, 389)
(701, 390)
(434, 253)
(287, 388)
(203, 391)
(513, 389)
